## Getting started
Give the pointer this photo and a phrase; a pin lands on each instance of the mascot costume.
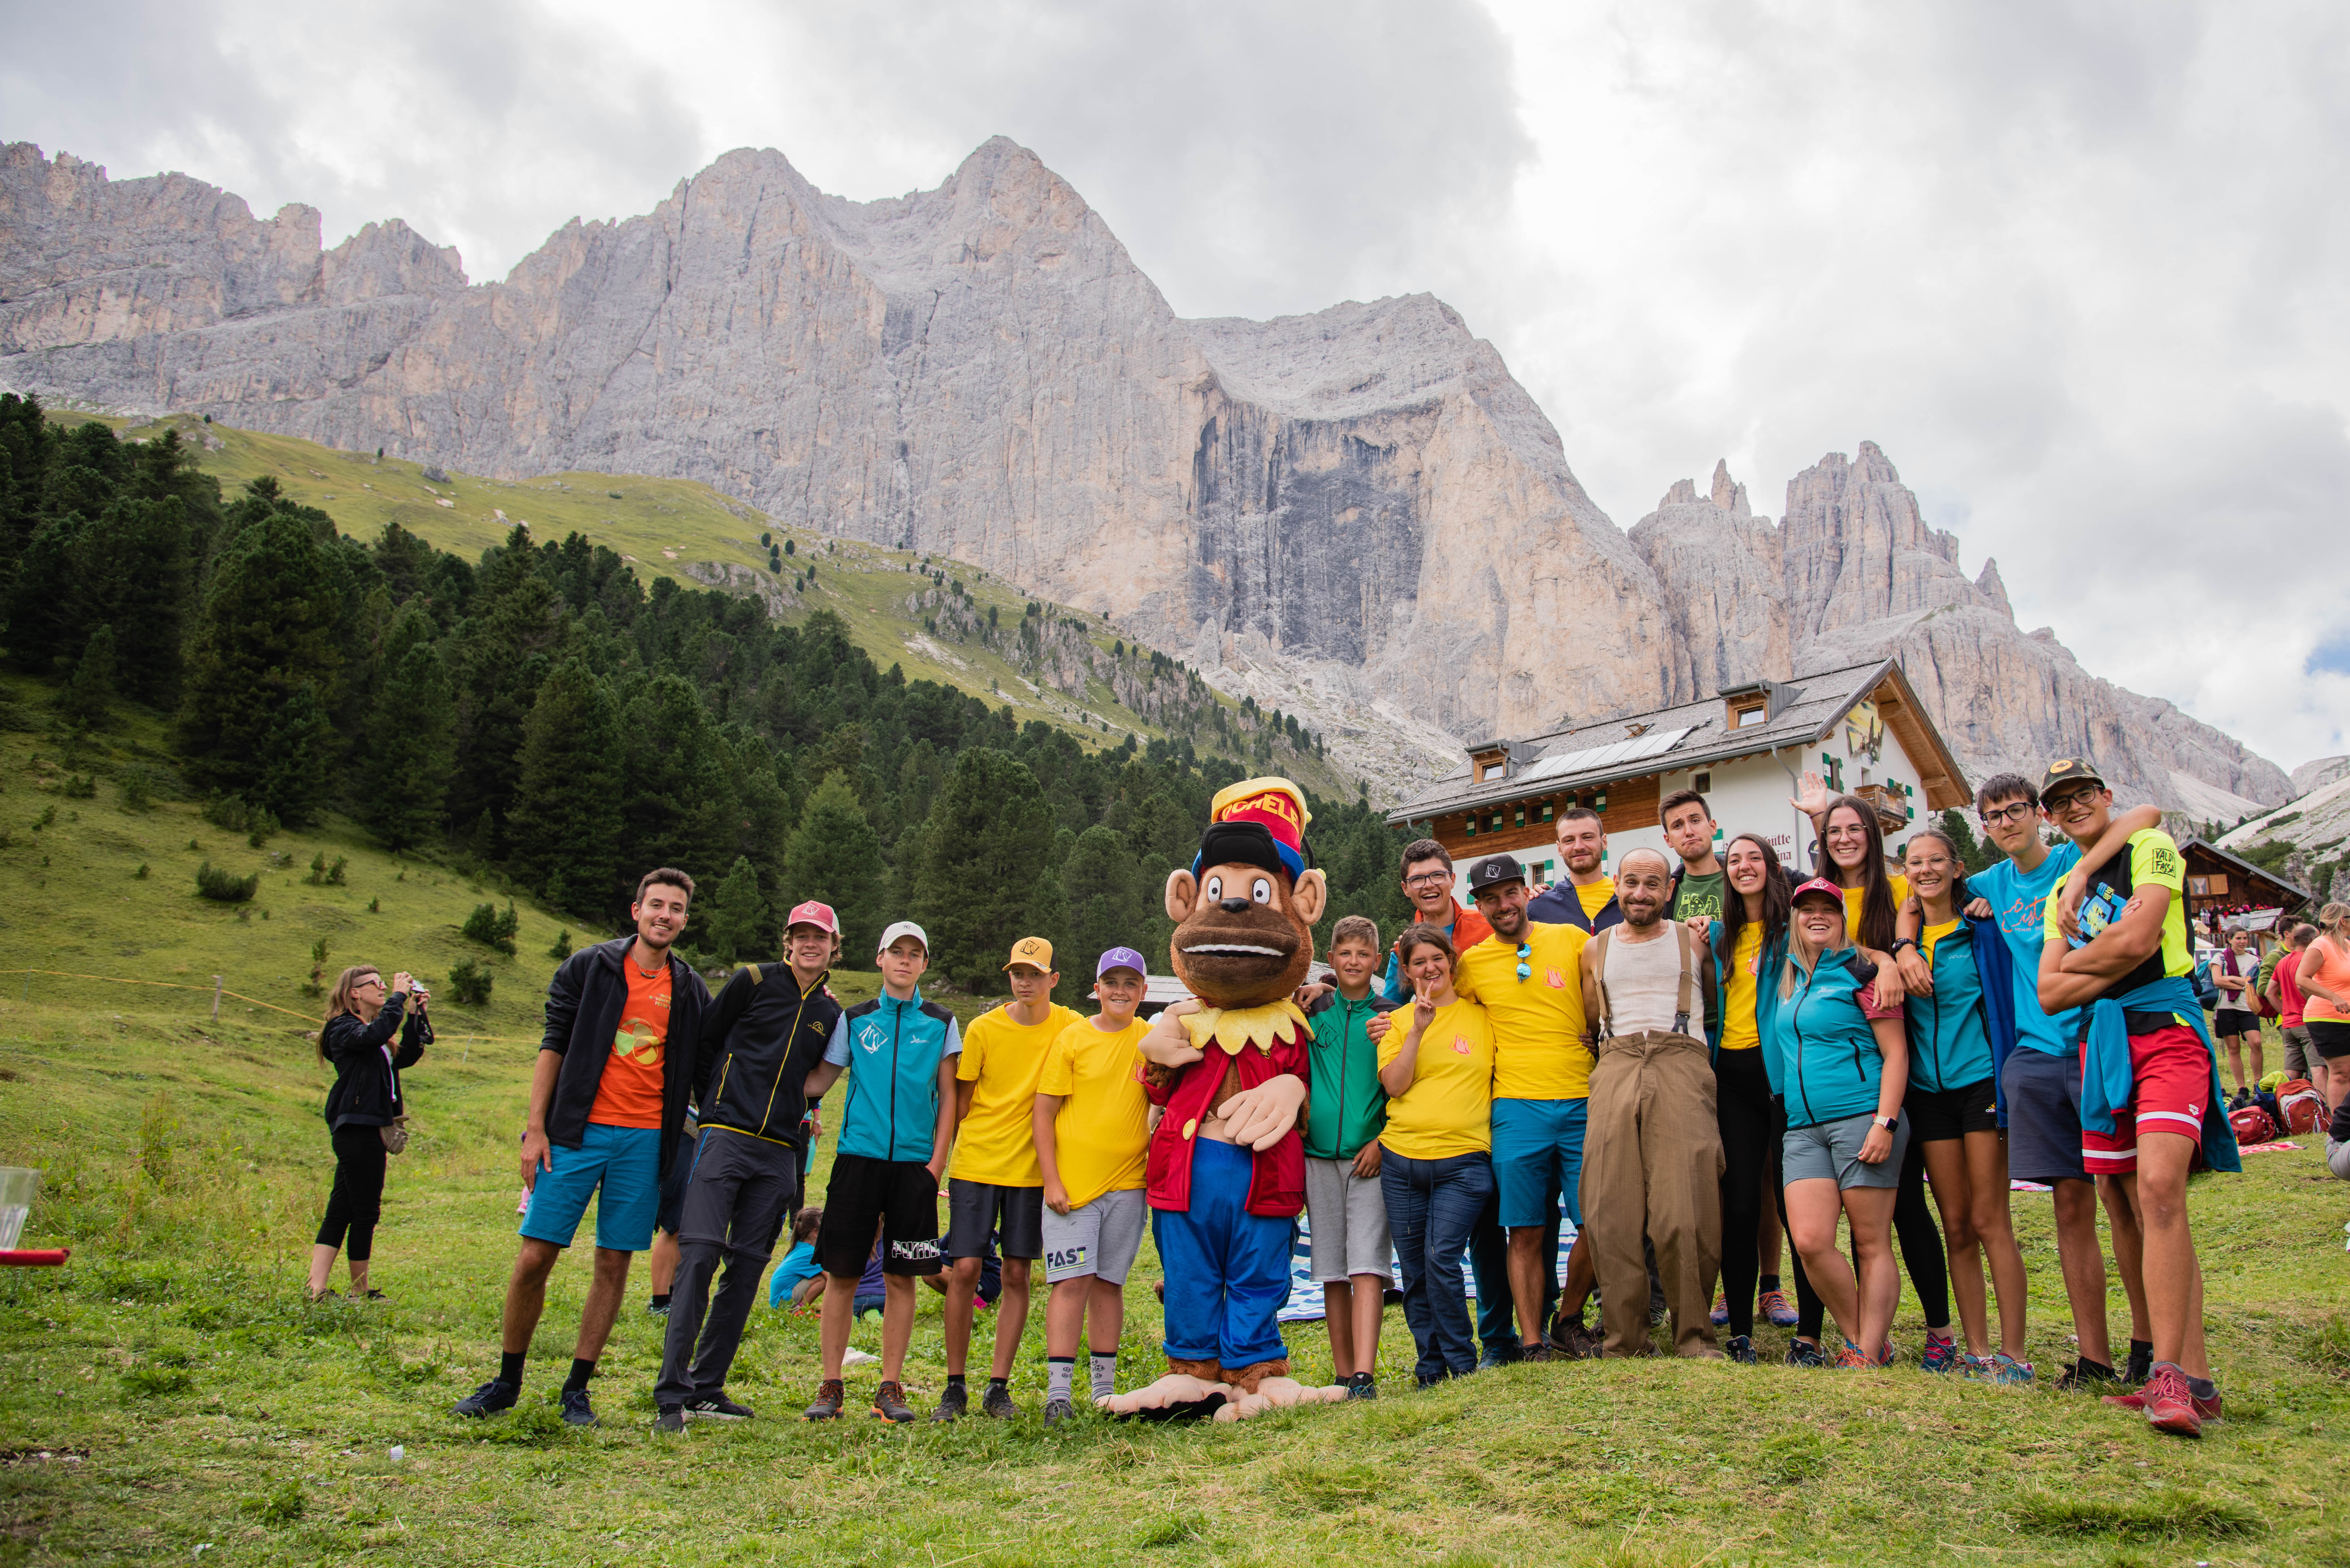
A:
(1226, 1173)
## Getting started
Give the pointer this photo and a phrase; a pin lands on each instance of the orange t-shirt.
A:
(2323, 962)
(630, 1094)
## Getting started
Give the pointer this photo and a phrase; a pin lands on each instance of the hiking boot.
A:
(1659, 1310)
(576, 1412)
(1539, 1352)
(890, 1403)
(2141, 1362)
(1362, 1386)
(670, 1418)
(488, 1399)
(997, 1403)
(1499, 1355)
(1740, 1348)
(954, 1405)
(830, 1395)
(1057, 1411)
(2084, 1375)
(1941, 1353)
(1776, 1307)
(1720, 1315)
(2169, 1406)
(1572, 1340)
(717, 1408)
(1805, 1353)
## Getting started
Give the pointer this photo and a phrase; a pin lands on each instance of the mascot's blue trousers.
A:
(1227, 1269)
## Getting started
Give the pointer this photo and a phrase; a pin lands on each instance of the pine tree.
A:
(1098, 884)
(1973, 854)
(264, 632)
(834, 856)
(297, 758)
(735, 915)
(990, 832)
(564, 835)
(411, 738)
(90, 696)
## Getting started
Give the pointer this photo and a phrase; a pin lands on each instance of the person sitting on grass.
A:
(799, 1278)
(1841, 1065)
(1092, 1127)
(363, 1109)
(1346, 1217)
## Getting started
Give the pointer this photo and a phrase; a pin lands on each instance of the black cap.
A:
(1493, 871)
(2070, 770)
(1239, 843)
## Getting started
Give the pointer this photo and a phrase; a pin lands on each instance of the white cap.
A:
(903, 929)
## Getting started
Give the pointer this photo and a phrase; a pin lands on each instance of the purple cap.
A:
(1121, 958)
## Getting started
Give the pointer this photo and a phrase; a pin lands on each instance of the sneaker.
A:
(830, 1395)
(890, 1403)
(2006, 1368)
(1720, 1315)
(1539, 1352)
(1782, 1311)
(2083, 1374)
(1659, 1310)
(1056, 1411)
(1941, 1353)
(1572, 1340)
(1499, 1355)
(1740, 1348)
(997, 1401)
(717, 1408)
(1977, 1368)
(2206, 1410)
(670, 1418)
(1850, 1355)
(2169, 1406)
(488, 1399)
(657, 1309)
(2141, 1362)
(954, 1405)
(576, 1412)
(1362, 1386)
(1805, 1353)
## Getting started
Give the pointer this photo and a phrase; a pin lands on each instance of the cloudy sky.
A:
(2077, 266)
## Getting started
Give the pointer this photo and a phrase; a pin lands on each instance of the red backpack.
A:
(2303, 1108)
(2252, 1126)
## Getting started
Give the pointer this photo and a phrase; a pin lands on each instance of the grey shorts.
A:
(1099, 1238)
(1830, 1151)
(2298, 1053)
(1348, 1222)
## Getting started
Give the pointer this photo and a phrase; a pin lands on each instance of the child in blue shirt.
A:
(799, 1276)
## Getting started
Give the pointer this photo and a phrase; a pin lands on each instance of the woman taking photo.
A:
(1842, 1068)
(1436, 1169)
(1954, 1105)
(364, 1110)
(1750, 941)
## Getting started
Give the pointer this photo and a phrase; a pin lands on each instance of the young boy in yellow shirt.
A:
(1092, 1126)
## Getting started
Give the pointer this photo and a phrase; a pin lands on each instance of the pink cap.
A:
(813, 913)
(1819, 885)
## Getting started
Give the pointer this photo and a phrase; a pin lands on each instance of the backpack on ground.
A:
(2252, 1126)
(2301, 1109)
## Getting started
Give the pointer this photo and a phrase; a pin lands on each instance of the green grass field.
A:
(169, 1389)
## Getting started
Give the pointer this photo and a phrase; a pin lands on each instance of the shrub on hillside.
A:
(493, 928)
(222, 887)
(469, 981)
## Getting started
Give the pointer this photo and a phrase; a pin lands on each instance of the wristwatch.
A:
(1887, 1123)
(1900, 942)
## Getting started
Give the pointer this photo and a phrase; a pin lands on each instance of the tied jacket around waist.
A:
(367, 1069)
(584, 1001)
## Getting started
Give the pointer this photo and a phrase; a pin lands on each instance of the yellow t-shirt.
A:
(1537, 1021)
(1932, 934)
(1103, 1129)
(996, 1142)
(1594, 896)
(1852, 900)
(1448, 1109)
(1740, 1031)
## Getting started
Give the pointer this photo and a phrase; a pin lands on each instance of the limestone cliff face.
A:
(1357, 514)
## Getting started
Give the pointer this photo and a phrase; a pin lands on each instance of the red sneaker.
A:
(2206, 1410)
(2169, 1406)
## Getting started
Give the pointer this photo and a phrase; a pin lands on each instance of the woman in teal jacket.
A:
(1843, 1064)
(1953, 1109)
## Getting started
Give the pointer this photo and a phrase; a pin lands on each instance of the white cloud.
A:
(2076, 266)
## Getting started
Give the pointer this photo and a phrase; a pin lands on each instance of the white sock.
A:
(1058, 1370)
(1104, 1370)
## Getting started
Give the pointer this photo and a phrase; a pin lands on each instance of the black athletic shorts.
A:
(1014, 1216)
(1937, 1114)
(2329, 1039)
(894, 1197)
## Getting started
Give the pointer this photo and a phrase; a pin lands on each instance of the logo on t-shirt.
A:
(868, 1039)
(639, 1042)
(1459, 1046)
(1555, 981)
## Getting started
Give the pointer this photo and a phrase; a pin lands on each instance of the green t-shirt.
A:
(1701, 896)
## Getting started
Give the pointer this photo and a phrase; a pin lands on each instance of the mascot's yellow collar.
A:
(1234, 1027)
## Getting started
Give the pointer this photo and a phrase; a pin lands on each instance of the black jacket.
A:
(582, 1009)
(367, 1087)
(759, 1043)
(1560, 907)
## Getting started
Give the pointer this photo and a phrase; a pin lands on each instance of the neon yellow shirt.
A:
(1103, 1129)
(996, 1142)
(1538, 1050)
(1739, 1030)
(1448, 1109)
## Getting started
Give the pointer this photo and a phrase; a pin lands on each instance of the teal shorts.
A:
(624, 1163)
(1538, 1159)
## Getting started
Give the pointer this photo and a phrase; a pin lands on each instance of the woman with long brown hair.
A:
(364, 1112)
(1750, 944)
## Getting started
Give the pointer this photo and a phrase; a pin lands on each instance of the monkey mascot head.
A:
(1245, 913)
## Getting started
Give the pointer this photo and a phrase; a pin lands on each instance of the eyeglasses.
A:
(1427, 878)
(2004, 813)
(2068, 800)
(1525, 969)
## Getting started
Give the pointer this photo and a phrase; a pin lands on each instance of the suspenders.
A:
(1686, 997)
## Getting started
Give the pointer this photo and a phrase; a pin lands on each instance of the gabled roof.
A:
(1696, 735)
(2244, 867)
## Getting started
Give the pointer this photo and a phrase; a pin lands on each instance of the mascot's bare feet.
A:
(1177, 1397)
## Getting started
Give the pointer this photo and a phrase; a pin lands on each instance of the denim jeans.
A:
(1432, 1205)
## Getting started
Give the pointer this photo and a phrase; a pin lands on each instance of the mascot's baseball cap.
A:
(1493, 871)
(818, 915)
(1121, 958)
(1276, 805)
(2066, 770)
(1033, 950)
(903, 929)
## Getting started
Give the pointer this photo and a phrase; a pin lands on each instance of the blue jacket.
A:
(2107, 1077)
(1560, 907)
(1829, 1065)
(1950, 1041)
(892, 1050)
(1995, 963)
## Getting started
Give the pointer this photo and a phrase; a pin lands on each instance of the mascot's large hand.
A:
(1261, 1116)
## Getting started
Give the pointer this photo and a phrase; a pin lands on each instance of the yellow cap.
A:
(1033, 950)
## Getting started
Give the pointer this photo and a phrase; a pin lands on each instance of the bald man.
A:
(1652, 1152)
